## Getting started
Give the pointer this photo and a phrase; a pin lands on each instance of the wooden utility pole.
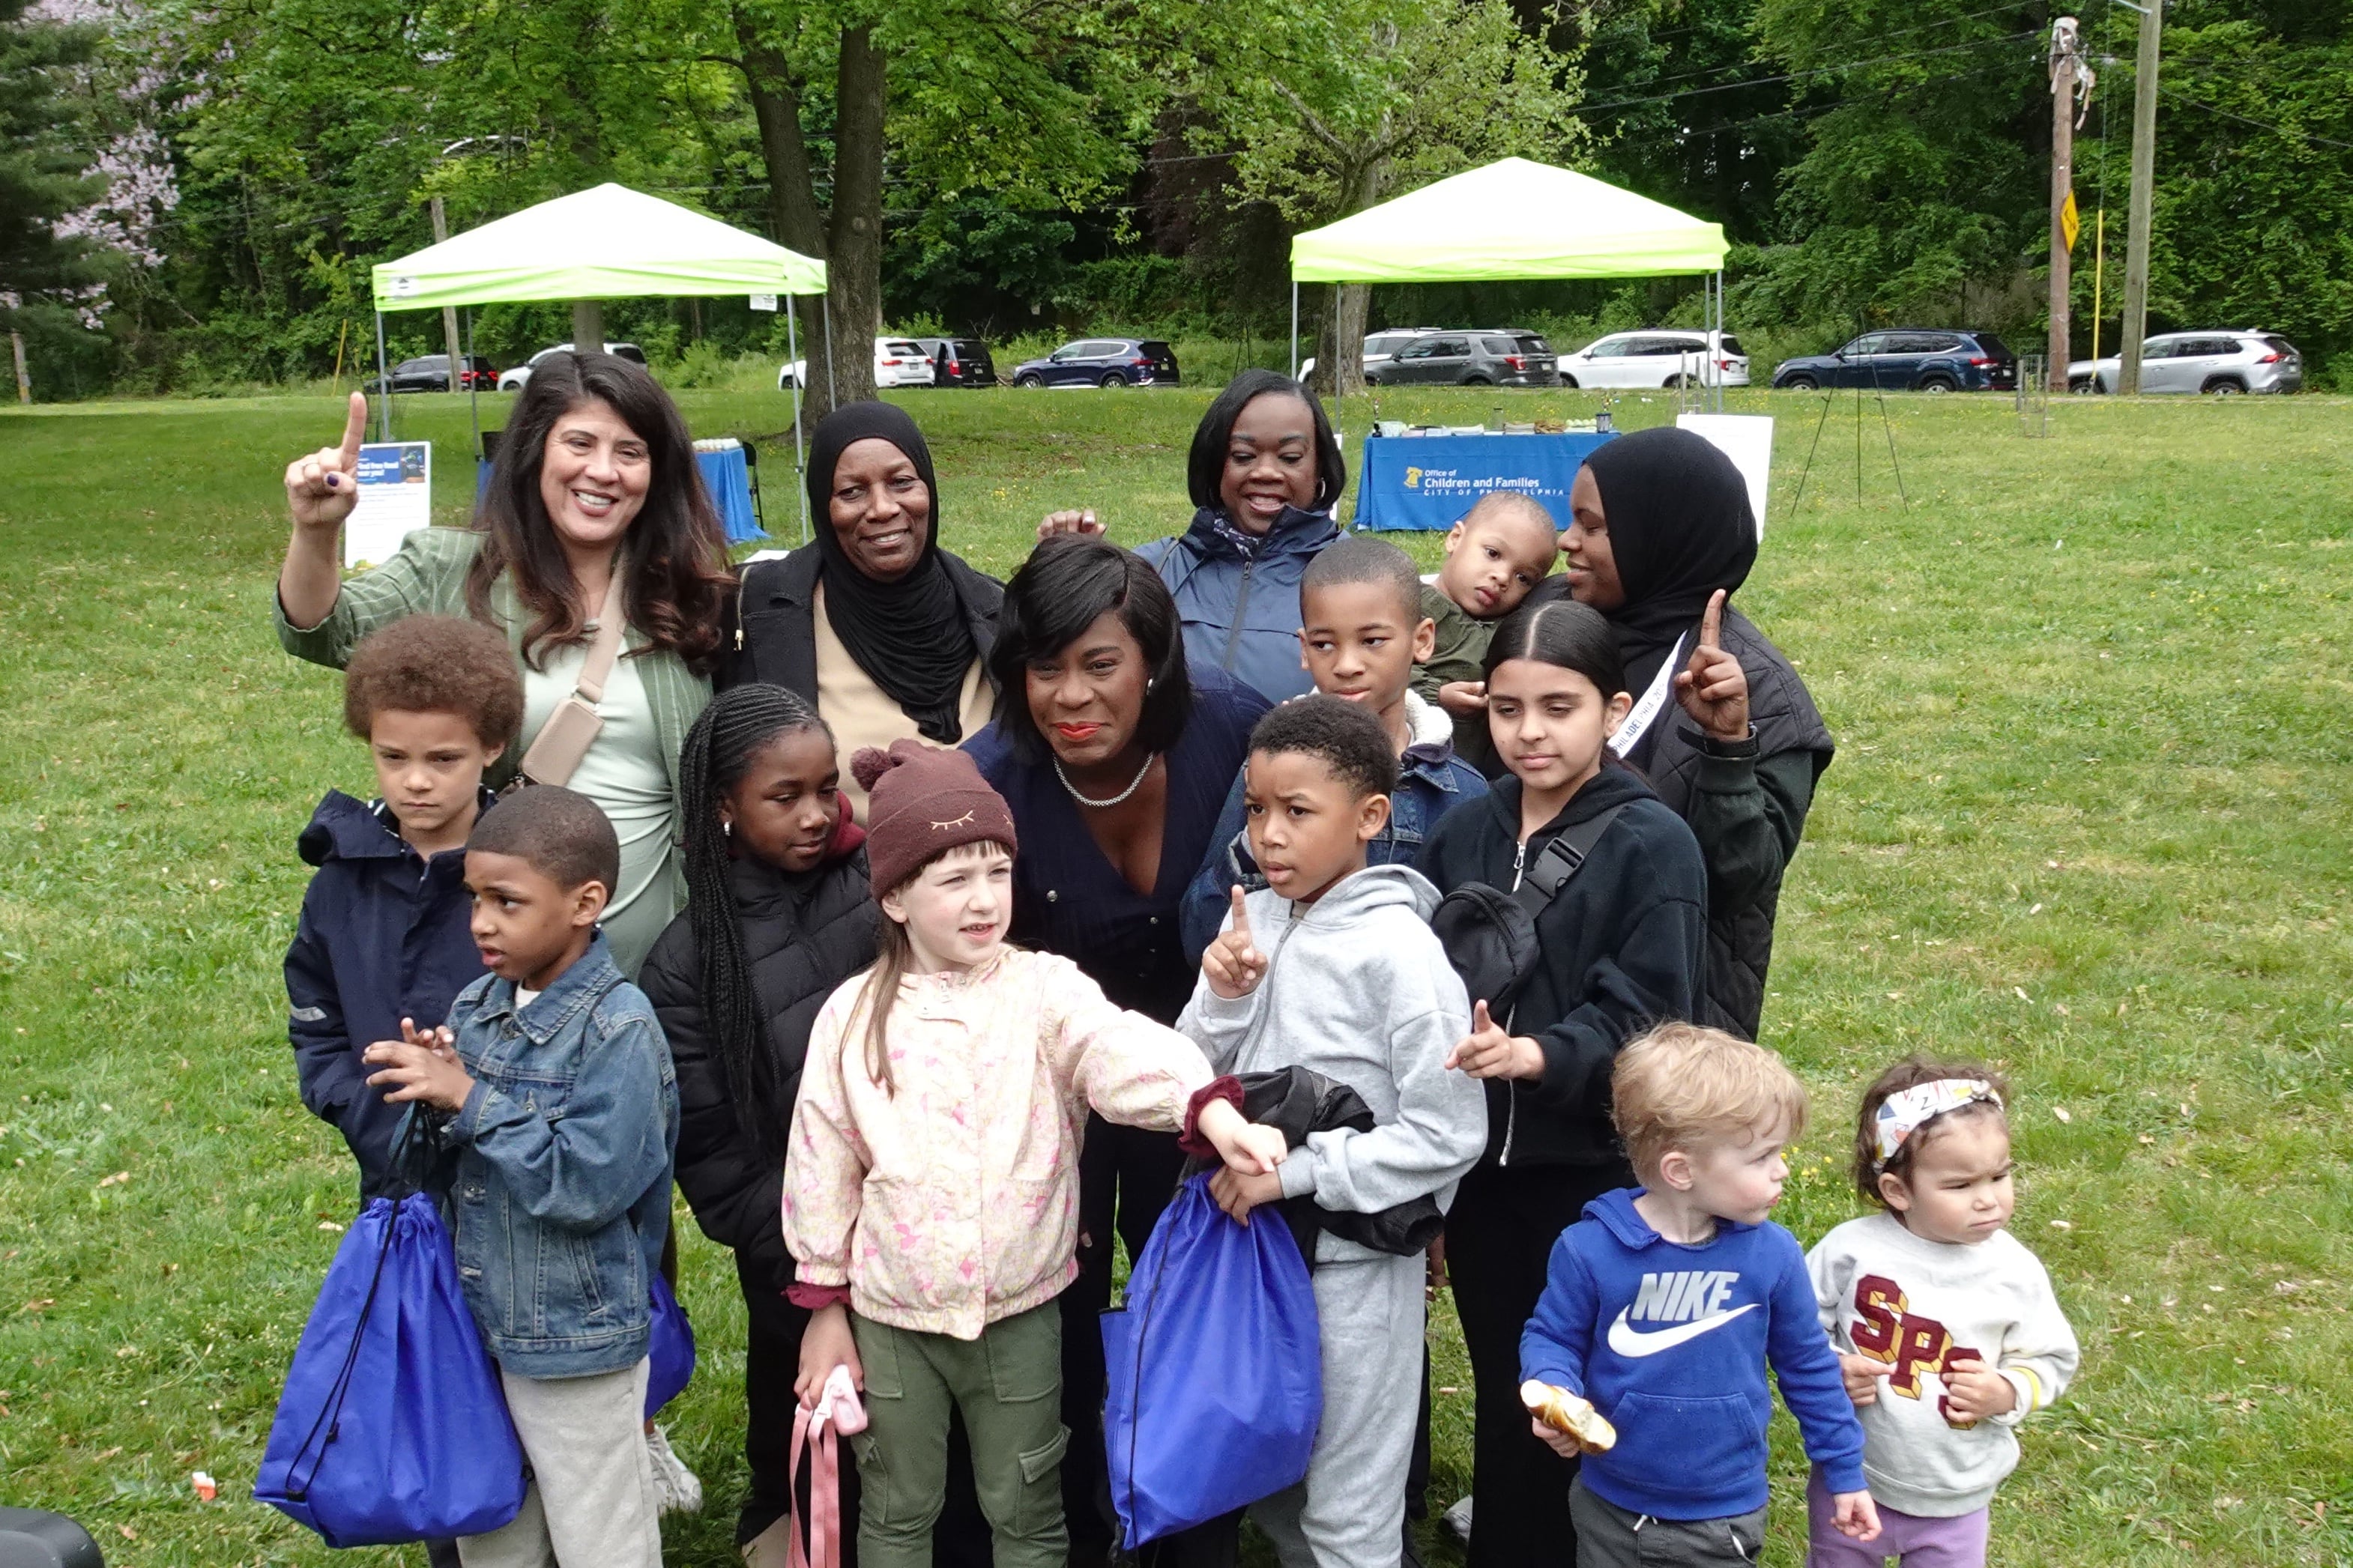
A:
(2143, 182)
(23, 378)
(449, 313)
(587, 326)
(2066, 55)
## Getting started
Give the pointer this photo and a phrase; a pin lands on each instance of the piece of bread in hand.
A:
(1565, 1413)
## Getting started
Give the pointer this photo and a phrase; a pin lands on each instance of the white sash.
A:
(1638, 722)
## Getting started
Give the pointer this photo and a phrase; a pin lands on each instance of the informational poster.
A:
(395, 499)
(764, 302)
(1747, 440)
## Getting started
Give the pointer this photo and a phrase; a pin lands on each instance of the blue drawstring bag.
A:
(393, 1426)
(669, 1352)
(1214, 1368)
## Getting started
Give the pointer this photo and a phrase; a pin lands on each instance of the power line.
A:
(1804, 75)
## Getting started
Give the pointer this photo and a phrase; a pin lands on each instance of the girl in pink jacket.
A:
(931, 1185)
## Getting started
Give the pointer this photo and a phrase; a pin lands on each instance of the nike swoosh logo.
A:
(1636, 1344)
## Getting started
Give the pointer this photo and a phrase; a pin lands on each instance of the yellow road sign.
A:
(2069, 223)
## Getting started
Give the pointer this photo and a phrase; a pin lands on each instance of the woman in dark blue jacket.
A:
(1264, 474)
(1114, 757)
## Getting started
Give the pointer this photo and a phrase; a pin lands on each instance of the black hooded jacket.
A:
(1623, 945)
(1747, 803)
(1680, 529)
(803, 936)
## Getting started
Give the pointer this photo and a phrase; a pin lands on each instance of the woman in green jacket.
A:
(596, 475)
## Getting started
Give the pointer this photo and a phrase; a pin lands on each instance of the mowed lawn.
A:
(2089, 819)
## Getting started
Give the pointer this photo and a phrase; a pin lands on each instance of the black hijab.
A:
(1680, 528)
(910, 636)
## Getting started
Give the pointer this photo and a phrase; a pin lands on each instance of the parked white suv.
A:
(2223, 363)
(513, 379)
(897, 362)
(1657, 358)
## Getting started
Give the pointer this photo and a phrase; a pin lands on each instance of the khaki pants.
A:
(1007, 1383)
(590, 1503)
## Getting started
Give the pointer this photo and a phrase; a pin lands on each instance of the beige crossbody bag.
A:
(571, 730)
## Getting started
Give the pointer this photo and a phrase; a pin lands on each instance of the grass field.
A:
(2089, 819)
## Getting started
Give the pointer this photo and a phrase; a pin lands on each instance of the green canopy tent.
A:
(1511, 219)
(607, 243)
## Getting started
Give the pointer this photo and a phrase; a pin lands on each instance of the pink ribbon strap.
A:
(822, 1524)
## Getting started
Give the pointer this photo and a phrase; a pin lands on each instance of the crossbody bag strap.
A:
(1560, 860)
(605, 649)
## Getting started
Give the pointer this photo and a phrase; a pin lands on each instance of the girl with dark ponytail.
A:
(779, 915)
(1621, 947)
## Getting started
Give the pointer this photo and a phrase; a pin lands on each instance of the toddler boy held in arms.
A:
(1332, 967)
(1664, 1304)
(1504, 546)
(558, 1105)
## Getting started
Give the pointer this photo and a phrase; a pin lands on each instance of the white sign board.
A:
(395, 499)
(764, 302)
(1747, 440)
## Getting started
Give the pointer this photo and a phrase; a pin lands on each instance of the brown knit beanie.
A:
(921, 802)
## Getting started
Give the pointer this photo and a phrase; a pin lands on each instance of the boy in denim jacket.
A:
(553, 1089)
(1361, 631)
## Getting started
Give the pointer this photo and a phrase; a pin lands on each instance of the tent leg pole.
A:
(473, 388)
(384, 384)
(832, 390)
(1294, 329)
(800, 459)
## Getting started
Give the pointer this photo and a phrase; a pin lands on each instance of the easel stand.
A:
(1829, 400)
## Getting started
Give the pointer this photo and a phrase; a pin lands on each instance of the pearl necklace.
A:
(1121, 798)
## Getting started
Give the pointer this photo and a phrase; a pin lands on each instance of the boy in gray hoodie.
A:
(1332, 967)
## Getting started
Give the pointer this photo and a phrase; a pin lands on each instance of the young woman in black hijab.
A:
(1661, 535)
(887, 632)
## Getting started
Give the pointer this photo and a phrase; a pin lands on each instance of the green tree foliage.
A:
(1925, 173)
(2254, 207)
(46, 150)
(1331, 105)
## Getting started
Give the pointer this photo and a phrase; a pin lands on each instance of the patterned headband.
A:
(1908, 1110)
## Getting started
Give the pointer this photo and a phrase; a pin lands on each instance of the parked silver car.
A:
(2223, 364)
(1379, 349)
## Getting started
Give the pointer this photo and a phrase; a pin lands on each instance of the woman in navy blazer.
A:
(1115, 758)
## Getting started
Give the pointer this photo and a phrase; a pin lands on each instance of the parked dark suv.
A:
(959, 361)
(1102, 361)
(1908, 359)
(1500, 357)
(431, 373)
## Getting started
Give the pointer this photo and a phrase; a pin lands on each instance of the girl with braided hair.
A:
(778, 914)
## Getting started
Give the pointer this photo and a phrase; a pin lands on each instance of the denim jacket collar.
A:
(555, 1008)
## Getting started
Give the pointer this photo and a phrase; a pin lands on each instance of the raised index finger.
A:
(355, 430)
(1242, 914)
(1711, 624)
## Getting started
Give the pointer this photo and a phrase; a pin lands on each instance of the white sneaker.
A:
(676, 1488)
(1458, 1521)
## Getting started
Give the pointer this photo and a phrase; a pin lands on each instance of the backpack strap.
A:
(1561, 859)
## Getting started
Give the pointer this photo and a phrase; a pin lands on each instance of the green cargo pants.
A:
(1008, 1384)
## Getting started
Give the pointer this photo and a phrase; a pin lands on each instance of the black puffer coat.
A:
(802, 935)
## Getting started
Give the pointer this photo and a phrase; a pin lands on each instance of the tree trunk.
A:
(854, 235)
(1340, 346)
(849, 236)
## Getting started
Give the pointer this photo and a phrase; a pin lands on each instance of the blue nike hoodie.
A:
(1671, 1341)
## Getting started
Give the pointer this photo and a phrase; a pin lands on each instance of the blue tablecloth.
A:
(724, 474)
(1429, 481)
